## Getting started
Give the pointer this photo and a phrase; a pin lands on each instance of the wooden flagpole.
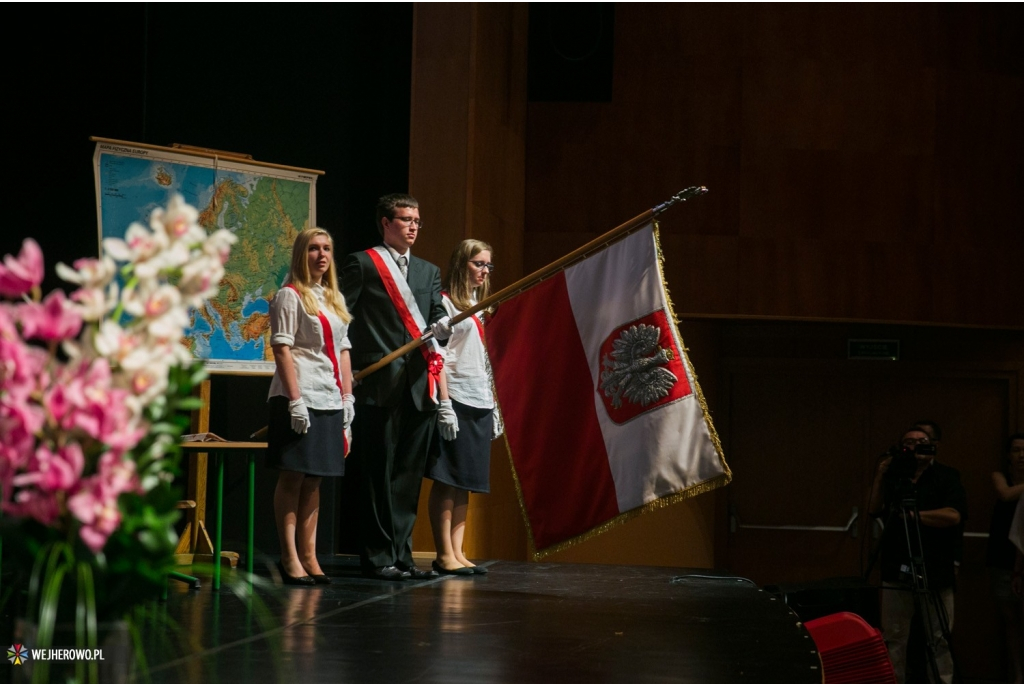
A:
(536, 277)
(579, 254)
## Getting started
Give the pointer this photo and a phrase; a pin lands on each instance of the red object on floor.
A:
(851, 650)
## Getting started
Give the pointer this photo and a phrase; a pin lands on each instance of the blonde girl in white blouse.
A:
(310, 401)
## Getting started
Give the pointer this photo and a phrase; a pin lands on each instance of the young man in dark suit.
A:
(396, 414)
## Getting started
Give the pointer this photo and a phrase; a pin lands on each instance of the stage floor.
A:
(523, 622)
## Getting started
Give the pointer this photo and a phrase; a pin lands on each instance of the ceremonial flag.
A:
(604, 419)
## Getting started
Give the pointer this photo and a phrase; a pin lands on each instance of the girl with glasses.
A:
(462, 465)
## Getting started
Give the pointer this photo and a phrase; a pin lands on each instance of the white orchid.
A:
(219, 244)
(139, 245)
(145, 301)
(114, 342)
(88, 273)
(173, 266)
(179, 222)
(200, 279)
(169, 326)
(165, 262)
(148, 383)
(94, 303)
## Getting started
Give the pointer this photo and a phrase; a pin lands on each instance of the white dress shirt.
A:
(466, 364)
(290, 325)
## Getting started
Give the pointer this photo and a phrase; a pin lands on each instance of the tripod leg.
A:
(897, 613)
(940, 607)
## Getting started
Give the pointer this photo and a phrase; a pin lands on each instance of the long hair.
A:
(299, 277)
(456, 280)
(1008, 461)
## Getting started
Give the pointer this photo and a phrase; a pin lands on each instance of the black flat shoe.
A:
(460, 571)
(307, 581)
(321, 579)
(478, 570)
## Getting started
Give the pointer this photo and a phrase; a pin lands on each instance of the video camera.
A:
(904, 460)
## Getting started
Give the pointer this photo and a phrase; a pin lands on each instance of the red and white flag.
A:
(603, 415)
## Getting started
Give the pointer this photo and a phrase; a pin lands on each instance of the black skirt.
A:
(320, 452)
(466, 461)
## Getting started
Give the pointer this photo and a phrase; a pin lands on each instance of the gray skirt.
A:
(466, 461)
(320, 452)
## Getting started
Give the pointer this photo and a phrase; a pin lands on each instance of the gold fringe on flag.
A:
(659, 503)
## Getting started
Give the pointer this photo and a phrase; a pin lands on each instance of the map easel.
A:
(265, 205)
(194, 545)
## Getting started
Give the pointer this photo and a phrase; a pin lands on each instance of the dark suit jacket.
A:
(377, 330)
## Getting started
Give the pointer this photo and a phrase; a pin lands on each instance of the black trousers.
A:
(392, 443)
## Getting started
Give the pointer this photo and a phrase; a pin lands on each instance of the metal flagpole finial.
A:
(681, 196)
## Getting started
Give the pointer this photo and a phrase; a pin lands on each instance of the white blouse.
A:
(290, 325)
(466, 364)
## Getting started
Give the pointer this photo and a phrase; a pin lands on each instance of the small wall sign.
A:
(887, 350)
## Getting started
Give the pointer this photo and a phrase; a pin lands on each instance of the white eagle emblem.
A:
(630, 372)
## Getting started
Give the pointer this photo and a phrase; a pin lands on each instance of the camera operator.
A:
(912, 492)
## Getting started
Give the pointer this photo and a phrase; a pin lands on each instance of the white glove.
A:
(442, 328)
(447, 421)
(348, 410)
(497, 424)
(300, 416)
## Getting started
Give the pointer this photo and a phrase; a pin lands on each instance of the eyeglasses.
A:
(482, 265)
(409, 220)
(910, 442)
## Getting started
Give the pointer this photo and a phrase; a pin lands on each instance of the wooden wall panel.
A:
(868, 156)
(466, 168)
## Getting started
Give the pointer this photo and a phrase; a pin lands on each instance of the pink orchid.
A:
(117, 473)
(55, 319)
(119, 428)
(19, 275)
(98, 409)
(19, 421)
(55, 401)
(50, 471)
(16, 364)
(95, 506)
(17, 441)
(32, 503)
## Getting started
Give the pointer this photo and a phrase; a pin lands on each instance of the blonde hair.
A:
(457, 279)
(299, 277)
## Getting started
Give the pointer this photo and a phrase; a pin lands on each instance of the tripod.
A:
(913, 576)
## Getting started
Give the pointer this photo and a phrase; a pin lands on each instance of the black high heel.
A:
(321, 579)
(287, 579)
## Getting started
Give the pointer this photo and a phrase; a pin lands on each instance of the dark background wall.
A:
(320, 86)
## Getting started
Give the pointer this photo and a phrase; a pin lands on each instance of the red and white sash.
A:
(328, 333)
(408, 311)
(476, 320)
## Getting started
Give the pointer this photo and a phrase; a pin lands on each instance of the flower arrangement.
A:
(93, 393)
